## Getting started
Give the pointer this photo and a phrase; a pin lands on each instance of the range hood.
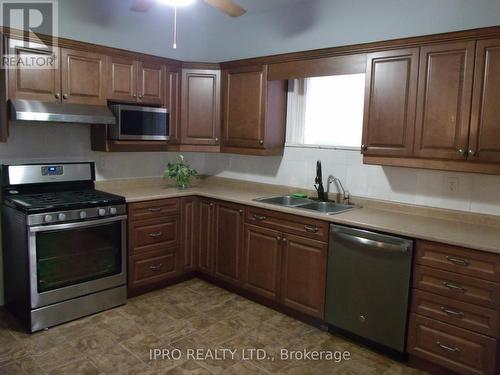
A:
(33, 110)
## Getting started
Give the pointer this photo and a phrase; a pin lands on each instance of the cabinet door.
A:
(151, 83)
(485, 124)
(173, 102)
(228, 242)
(82, 77)
(200, 121)
(390, 100)
(122, 79)
(190, 226)
(206, 236)
(261, 261)
(244, 106)
(303, 270)
(444, 100)
(34, 84)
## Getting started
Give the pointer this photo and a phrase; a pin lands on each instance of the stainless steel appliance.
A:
(33, 110)
(139, 123)
(64, 243)
(368, 286)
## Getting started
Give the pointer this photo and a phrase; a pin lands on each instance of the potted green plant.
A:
(181, 172)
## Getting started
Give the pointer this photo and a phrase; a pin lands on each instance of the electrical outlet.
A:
(452, 185)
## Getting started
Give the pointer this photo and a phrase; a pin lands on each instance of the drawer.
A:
(460, 260)
(292, 224)
(164, 232)
(153, 209)
(448, 310)
(152, 269)
(454, 348)
(452, 285)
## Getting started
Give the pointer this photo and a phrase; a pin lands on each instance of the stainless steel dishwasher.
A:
(368, 286)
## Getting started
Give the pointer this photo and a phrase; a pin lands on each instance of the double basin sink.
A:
(328, 208)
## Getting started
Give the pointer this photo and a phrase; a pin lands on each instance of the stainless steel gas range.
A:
(64, 243)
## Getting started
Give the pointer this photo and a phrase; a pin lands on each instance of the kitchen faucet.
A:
(322, 196)
(340, 188)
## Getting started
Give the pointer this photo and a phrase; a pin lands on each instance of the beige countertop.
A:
(474, 231)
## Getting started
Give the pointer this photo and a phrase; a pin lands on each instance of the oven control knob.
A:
(83, 214)
(101, 212)
(48, 218)
(61, 217)
(112, 210)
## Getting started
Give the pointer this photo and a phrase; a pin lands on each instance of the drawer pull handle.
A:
(158, 209)
(454, 286)
(156, 268)
(452, 312)
(448, 348)
(311, 228)
(155, 235)
(259, 217)
(458, 261)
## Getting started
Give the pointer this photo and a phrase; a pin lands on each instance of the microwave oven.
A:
(139, 123)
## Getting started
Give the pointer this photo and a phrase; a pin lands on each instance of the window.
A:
(326, 111)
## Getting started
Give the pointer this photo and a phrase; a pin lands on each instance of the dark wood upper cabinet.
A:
(83, 79)
(444, 100)
(304, 275)
(254, 111)
(261, 261)
(390, 101)
(485, 124)
(173, 102)
(200, 119)
(122, 79)
(34, 84)
(228, 250)
(151, 77)
(136, 81)
(190, 215)
(206, 236)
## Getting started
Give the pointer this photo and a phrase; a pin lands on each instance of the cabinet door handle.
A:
(211, 204)
(156, 268)
(454, 286)
(452, 312)
(261, 142)
(473, 153)
(140, 96)
(155, 209)
(278, 238)
(241, 211)
(58, 96)
(448, 348)
(155, 235)
(259, 217)
(284, 240)
(65, 96)
(458, 261)
(364, 148)
(311, 228)
(134, 95)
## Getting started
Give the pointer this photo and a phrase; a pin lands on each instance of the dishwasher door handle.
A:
(385, 246)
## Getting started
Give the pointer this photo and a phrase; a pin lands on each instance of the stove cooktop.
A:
(62, 200)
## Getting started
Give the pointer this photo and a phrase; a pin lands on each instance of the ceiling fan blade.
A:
(142, 5)
(227, 6)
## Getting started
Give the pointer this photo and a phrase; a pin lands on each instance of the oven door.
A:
(75, 259)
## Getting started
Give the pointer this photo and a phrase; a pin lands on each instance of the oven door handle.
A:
(78, 224)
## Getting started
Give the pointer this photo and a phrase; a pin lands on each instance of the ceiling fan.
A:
(227, 6)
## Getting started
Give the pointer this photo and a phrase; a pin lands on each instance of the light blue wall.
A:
(207, 35)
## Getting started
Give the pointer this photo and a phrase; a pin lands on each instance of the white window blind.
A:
(326, 111)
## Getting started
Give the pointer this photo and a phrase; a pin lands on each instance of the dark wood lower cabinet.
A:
(206, 236)
(303, 279)
(228, 241)
(261, 264)
(190, 231)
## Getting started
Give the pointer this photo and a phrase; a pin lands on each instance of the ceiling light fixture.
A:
(178, 3)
